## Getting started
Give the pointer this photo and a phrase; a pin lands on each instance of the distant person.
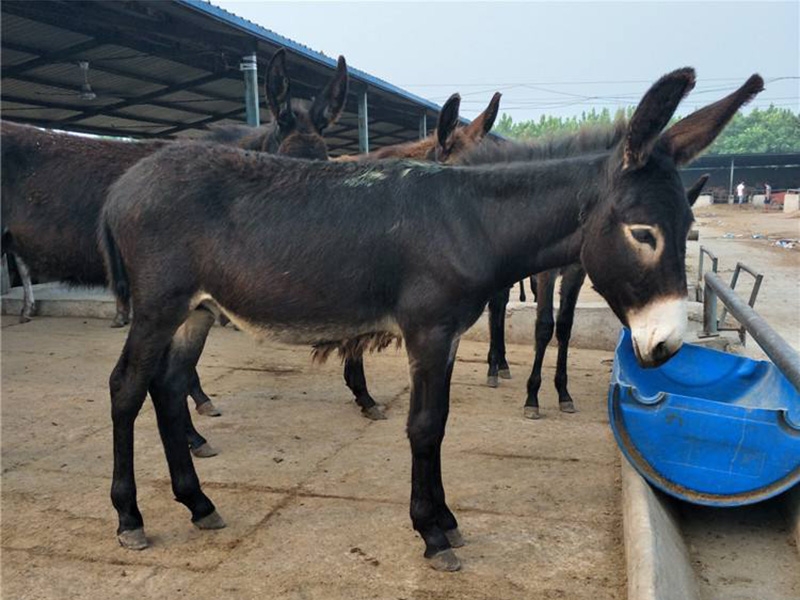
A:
(740, 192)
(767, 192)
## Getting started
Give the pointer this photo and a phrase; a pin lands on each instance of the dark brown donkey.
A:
(447, 145)
(400, 249)
(54, 186)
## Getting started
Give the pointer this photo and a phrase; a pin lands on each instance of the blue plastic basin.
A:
(707, 427)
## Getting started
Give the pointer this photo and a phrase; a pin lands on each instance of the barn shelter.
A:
(781, 171)
(145, 68)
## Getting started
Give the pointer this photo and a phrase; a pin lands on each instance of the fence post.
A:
(710, 323)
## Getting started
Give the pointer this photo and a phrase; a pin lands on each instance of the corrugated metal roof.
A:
(168, 68)
(275, 38)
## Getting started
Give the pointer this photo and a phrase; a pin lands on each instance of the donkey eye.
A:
(644, 236)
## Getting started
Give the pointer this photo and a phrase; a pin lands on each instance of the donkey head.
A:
(635, 235)
(452, 141)
(298, 126)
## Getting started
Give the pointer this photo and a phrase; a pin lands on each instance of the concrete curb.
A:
(792, 510)
(657, 561)
(595, 327)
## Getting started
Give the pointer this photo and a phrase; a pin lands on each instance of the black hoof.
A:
(133, 539)
(212, 521)
(532, 412)
(207, 409)
(446, 560)
(204, 451)
(374, 413)
(455, 538)
(492, 381)
(117, 323)
(504, 373)
(567, 407)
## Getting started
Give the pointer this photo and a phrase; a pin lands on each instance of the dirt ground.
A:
(315, 496)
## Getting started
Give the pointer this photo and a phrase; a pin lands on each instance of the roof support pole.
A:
(249, 67)
(363, 124)
(730, 186)
(423, 125)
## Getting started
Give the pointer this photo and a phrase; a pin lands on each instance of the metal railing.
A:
(753, 295)
(714, 263)
(776, 348)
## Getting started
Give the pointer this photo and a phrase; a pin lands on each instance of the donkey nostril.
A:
(661, 352)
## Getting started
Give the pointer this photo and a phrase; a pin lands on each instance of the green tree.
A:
(771, 130)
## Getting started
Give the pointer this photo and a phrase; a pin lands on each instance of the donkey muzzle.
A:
(657, 330)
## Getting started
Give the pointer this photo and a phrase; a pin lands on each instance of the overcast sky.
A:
(550, 57)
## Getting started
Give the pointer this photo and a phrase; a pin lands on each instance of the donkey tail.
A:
(115, 267)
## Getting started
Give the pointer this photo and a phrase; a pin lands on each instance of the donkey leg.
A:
(571, 282)
(445, 518)
(28, 301)
(429, 353)
(128, 384)
(198, 445)
(522, 297)
(357, 382)
(168, 391)
(122, 314)
(202, 403)
(498, 367)
(544, 333)
(503, 369)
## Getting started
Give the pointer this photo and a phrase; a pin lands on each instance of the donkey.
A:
(418, 249)
(54, 186)
(446, 145)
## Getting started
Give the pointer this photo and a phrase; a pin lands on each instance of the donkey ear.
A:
(689, 136)
(447, 122)
(482, 124)
(694, 192)
(328, 106)
(652, 115)
(277, 89)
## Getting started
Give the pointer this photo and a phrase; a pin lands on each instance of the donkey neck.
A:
(533, 212)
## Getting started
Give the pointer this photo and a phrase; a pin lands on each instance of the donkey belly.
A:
(313, 330)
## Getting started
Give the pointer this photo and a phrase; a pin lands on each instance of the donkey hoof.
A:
(492, 381)
(446, 560)
(455, 538)
(207, 409)
(504, 373)
(374, 413)
(117, 323)
(532, 412)
(23, 318)
(132, 539)
(212, 521)
(567, 407)
(204, 451)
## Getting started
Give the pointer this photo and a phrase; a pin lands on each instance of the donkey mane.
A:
(588, 139)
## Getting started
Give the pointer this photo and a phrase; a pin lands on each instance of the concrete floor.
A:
(315, 496)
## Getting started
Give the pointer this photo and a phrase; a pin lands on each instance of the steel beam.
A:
(249, 68)
(363, 124)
